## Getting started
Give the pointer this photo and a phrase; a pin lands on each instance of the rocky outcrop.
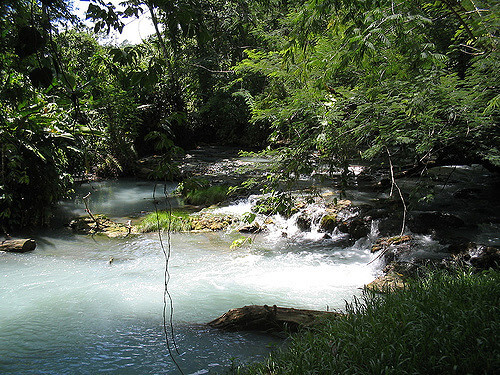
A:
(435, 223)
(356, 227)
(475, 257)
(208, 221)
(394, 248)
(386, 283)
(101, 225)
(479, 257)
(328, 223)
(268, 319)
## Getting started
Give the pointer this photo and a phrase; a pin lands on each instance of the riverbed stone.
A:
(386, 283)
(101, 225)
(385, 242)
(434, 222)
(304, 222)
(209, 222)
(479, 257)
(328, 223)
(253, 227)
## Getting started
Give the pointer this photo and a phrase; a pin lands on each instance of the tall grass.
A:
(207, 196)
(443, 324)
(177, 221)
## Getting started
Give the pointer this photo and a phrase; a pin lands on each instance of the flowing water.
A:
(65, 309)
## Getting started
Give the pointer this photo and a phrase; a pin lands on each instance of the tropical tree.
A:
(414, 80)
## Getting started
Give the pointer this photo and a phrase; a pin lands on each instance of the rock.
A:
(304, 223)
(397, 273)
(102, 226)
(386, 283)
(431, 222)
(18, 246)
(268, 319)
(356, 228)
(396, 248)
(328, 223)
(467, 193)
(209, 222)
(385, 242)
(251, 228)
(480, 257)
(338, 205)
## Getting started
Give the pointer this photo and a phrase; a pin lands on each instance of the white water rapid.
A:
(65, 309)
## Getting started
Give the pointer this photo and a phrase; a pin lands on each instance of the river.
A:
(66, 309)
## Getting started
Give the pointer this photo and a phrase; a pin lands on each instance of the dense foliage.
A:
(444, 324)
(339, 79)
(414, 79)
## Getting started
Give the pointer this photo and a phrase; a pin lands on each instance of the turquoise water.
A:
(64, 309)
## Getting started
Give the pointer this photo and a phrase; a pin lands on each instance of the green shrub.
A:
(444, 324)
(282, 203)
(176, 221)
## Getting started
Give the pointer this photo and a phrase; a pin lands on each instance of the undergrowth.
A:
(443, 324)
(207, 196)
(177, 221)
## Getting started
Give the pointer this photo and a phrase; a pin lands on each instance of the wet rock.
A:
(328, 223)
(385, 242)
(338, 205)
(251, 228)
(394, 248)
(467, 193)
(480, 257)
(432, 222)
(209, 222)
(397, 273)
(268, 319)
(386, 283)
(304, 223)
(101, 226)
(356, 228)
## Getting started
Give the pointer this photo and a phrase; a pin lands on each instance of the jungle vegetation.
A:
(412, 81)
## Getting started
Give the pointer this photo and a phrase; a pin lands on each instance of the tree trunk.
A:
(18, 246)
(268, 319)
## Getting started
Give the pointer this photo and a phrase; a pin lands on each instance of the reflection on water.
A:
(117, 199)
(66, 310)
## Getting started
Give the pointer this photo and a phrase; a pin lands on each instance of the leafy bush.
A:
(444, 324)
(278, 203)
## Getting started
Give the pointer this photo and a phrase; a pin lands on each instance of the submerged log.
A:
(18, 246)
(268, 319)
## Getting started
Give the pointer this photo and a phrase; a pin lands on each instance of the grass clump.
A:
(443, 324)
(207, 196)
(199, 192)
(177, 221)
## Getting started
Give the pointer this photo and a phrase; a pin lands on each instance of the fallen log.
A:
(268, 319)
(18, 246)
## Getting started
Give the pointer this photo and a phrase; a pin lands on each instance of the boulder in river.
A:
(479, 257)
(270, 319)
(435, 222)
(356, 227)
(207, 221)
(102, 225)
(328, 223)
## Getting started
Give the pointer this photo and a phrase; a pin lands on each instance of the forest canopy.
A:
(342, 80)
